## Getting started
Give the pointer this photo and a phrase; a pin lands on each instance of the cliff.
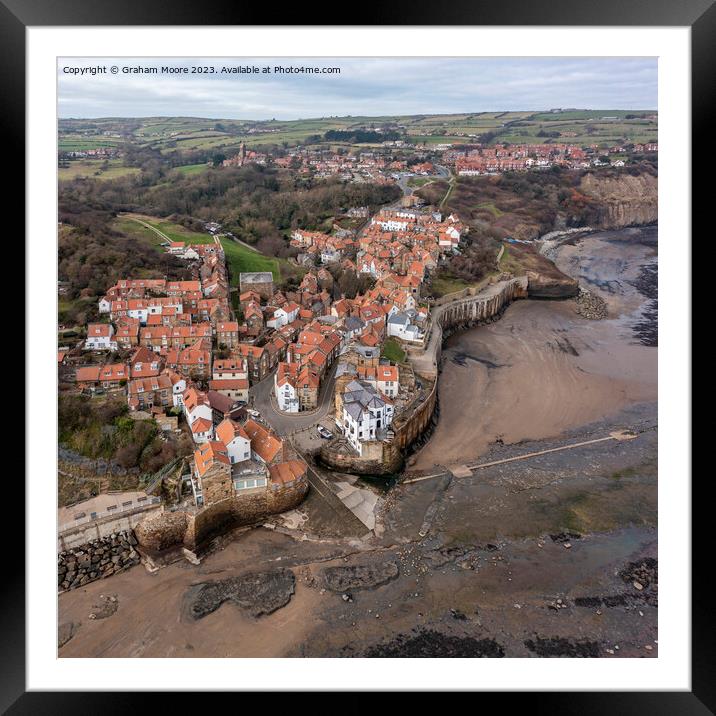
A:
(624, 200)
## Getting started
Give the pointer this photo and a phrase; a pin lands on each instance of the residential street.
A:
(283, 423)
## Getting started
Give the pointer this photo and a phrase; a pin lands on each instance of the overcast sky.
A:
(370, 87)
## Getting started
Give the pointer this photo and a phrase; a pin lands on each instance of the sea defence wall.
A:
(459, 314)
(86, 531)
(164, 536)
(96, 559)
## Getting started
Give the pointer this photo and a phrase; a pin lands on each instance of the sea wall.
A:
(169, 533)
(463, 313)
(378, 458)
(381, 457)
(85, 532)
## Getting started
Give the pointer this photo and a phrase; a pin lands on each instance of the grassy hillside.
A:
(191, 133)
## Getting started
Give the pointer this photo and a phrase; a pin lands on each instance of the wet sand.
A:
(542, 369)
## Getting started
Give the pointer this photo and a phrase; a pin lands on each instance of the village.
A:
(387, 163)
(239, 374)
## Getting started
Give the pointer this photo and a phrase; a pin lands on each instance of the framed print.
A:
(359, 344)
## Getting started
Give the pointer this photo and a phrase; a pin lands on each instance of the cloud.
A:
(365, 86)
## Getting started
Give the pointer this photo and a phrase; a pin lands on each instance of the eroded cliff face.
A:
(623, 201)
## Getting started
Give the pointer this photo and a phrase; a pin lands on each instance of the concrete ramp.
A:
(361, 502)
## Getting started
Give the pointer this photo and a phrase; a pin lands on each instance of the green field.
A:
(419, 181)
(169, 134)
(130, 227)
(192, 168)
(92, 169)
(174, 232)
(241, 260)
(443, 284)
(79, 143)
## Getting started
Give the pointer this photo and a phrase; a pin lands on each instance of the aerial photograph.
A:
(357, 357)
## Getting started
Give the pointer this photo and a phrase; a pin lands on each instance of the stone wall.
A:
(378, 458)
(468, 311)
(471, 311)
(163, 531)
(246, 509)
(96, 559)
(409, 426)
(104, 527)
(193, 531)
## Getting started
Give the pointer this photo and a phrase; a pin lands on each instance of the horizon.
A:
(362, 116)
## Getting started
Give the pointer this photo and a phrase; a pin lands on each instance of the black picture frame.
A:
(699, 15)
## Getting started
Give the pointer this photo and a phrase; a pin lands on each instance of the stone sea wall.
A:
(385, 457)
(171, 532)
(464, 313)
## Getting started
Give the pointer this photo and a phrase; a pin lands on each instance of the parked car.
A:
(327, 434)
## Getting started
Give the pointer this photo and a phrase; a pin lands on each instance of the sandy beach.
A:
(542, 368)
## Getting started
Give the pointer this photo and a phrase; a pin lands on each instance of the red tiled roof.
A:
(286, 472)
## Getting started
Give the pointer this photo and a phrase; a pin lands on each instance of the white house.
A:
(196, 405)
(330, 253)
(202, 430)
(189, 254)
(286, 394)
(392, 224)
(105, 305)
(284, 315)
(99, 337)
(388, 380)
(453, 232)
(176, 248)
(400, 326)
(230, 369)
(368, 267)
(178, 388)
(234, 437)
(365, 414)
(142, 309)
